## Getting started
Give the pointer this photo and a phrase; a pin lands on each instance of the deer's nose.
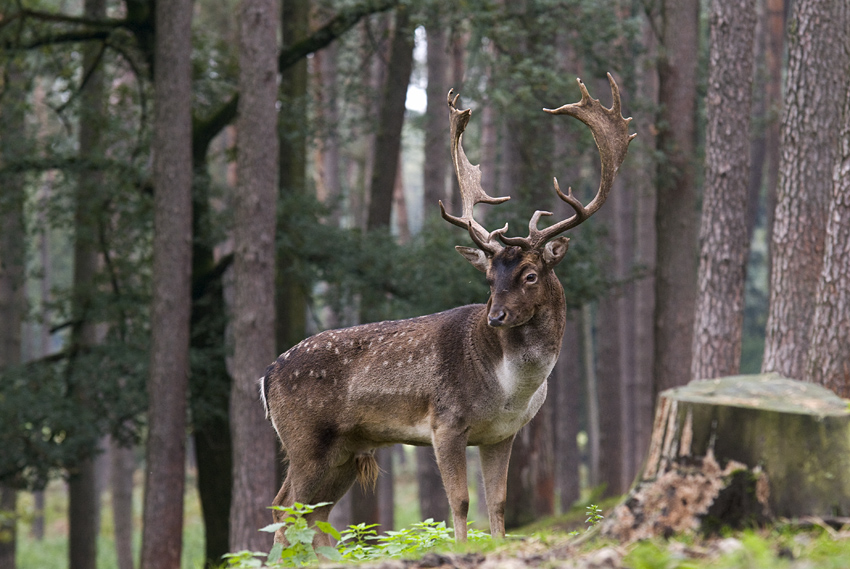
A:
(497, 317)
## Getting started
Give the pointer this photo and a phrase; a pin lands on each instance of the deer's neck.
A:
(523, 356)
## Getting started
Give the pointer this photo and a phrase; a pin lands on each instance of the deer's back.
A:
(382, 382)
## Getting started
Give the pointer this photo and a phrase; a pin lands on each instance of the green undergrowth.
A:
(770, 548)
(361, 542)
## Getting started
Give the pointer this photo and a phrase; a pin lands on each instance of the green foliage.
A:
(359, 542)
(594, 515)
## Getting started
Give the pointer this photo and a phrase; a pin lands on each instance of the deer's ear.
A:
(476, 257)
(555, 250)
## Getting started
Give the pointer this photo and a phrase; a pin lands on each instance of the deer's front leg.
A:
(450, 450)
(494, 467)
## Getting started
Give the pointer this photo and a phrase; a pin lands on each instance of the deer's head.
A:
(519, 270)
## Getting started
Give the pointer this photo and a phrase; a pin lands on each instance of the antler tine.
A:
(469, 180)
(611, 134)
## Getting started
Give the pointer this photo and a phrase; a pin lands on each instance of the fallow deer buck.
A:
(470, 376)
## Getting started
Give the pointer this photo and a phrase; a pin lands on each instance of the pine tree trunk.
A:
(254, 447)
(676, 216)
(645, 249)
(390, 122)
(816, 49)
(12, 275)
(565, 390)
(172, 245)
(84, 497)
(433, 502)
(724, 245)
(436, 141)
(829, 353)
(122, 468)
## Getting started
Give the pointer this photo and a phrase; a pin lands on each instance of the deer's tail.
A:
(367, 469)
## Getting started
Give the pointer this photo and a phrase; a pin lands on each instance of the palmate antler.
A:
(469, 180)
(611, 133)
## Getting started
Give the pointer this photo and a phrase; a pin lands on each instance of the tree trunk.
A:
(390, 122)
(436, 141)
(12, 275)
(433, 502)
(254, 448)
(724, 241)
(829, 353)
(644, 189)
(122, 468)
(291, 296)
(816, 49)
(564, 390)
(83, 493)
(591, 394)
(531, 472)
(737, 451)
(172, 245)
(676, 216)
(608, 373)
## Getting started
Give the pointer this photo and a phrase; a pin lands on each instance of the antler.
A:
(469, 180)
(611, 133)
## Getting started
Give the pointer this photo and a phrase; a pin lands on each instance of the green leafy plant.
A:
(594, 515)
(359, 542)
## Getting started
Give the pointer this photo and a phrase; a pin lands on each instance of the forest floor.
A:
(806, 544)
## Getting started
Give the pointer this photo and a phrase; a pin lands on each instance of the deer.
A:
(469, 376)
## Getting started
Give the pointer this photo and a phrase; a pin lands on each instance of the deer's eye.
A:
(531, 278)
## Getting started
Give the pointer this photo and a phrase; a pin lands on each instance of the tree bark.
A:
(254, 448)
(813, 99)
(83, 491)
(436, 141)
(122, 468)
(531, 472)
(676, 218)
(433, 502)
(564, 390)
(829, 353)
(169, 366)
(390, 122)
(724, 238)
(12, 274)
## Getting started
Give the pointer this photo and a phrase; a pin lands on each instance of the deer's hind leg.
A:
(311, 481)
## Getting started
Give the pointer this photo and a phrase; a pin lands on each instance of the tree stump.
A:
(739, 451)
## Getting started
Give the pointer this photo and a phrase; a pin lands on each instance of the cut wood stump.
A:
(739, 451)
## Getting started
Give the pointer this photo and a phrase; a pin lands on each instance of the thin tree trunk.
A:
(676, 217)
(436, 141)
(123, 467)
(254, 448)
(84, 497)
(12, 277)
(291, 297)
(565, 390)
(724, 242)
(433, 502)
(829, 354)
(816, 46)
(644, 189)
(591, 394)
(172, 245)
(610, 404)
(390, 122)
